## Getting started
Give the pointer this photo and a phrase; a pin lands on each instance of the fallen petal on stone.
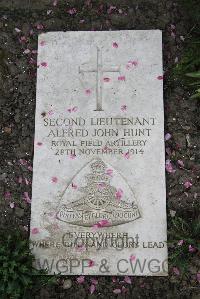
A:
(115, 45)
(35, 231)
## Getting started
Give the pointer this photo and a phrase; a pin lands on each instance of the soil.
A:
(17, 100)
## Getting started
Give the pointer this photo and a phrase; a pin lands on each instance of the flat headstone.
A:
(98, 200)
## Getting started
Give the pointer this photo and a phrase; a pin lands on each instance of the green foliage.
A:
(17, 274)
(196, 78)
(189, 68)
(189, 232)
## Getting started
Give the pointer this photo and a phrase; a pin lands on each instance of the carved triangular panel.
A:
(98, 192)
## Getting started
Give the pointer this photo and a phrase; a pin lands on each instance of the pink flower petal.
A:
(35, 231)
(74, 109)
(80, 279)
(169, 167)
(114, 279)
(168, 136)
(27, 51)
(173, 27)
(117, 291)
(111, 9)
(26, 181)
(92, 289)
(39, 26)
(39, 143)
(187, 184)
(121, 78)
(160, 77)
(180, 163)
(109, 172)
(95, 227)
(132, 258)
(119, 194)
(22, 39)
(123, 108)
(55, 2)
(26, 197)
(176, 271)
(126, 155)
(51, 112)
(72, 156)
(127, 279)
(90, 263)
(30, 168)
(42, 43)
(100, 224)
(72, 11)
(94, 281)
(88, 91)
(54, 179)
(7, 195)
(106, 79)
(134, 62)
(12, 205)
(191, 249)
(103, 223)
(131, 64)
(180, 243)
(115, 45)
(44, 64)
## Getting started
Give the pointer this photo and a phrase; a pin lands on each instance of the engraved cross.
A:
(99, 70)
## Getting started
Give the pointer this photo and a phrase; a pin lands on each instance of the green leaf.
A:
(194, 75)
(195, 96)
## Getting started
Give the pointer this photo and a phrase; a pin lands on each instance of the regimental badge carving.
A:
(98, 197)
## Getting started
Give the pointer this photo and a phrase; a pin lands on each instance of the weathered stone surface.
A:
(99, 184)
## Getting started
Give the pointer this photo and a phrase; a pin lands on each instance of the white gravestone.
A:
(98, 200)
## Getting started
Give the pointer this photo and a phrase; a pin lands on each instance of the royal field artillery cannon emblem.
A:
(97, 197)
